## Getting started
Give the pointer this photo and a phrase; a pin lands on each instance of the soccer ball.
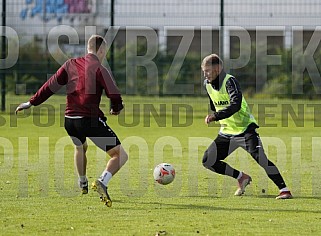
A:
(164, 173)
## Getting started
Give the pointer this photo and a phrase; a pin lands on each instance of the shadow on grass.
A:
(295, 197)
(201, 207)
(212, 205)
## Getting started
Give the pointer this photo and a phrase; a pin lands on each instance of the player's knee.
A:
(254, 154)
(124, 156)
(85, 147)
(205, 160)
(209, 159)
(259, 156)
(81, 148)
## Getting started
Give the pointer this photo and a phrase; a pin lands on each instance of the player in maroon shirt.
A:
(85, 79)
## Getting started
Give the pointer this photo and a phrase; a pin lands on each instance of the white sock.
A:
(105, 177)
(240, 175)
(83, 178)
(284, 190)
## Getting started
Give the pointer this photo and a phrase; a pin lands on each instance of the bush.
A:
(183, 78)
(32, 69)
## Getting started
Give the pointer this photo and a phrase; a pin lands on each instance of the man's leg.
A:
(254, 146)
(73, 128)
(105, 138)
(213, 160)
(80, 161)
(216, 153)
(118, 158)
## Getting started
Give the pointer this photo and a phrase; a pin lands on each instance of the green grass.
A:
(39, 195)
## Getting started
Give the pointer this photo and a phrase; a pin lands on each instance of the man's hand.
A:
(209, 118)
(23, 106)
(112, 112)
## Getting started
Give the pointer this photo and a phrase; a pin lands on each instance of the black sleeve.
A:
(212, 106)
(235, 94)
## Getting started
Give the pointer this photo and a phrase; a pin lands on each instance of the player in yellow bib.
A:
(238, 128)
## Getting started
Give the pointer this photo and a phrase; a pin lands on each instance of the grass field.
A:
(39, 195)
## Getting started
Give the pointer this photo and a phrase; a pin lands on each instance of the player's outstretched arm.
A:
(23, 106)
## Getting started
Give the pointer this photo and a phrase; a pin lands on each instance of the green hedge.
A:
(181, 79)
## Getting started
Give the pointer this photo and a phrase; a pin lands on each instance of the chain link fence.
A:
(156, 47)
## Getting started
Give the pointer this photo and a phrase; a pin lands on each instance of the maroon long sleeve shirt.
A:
(85, 80)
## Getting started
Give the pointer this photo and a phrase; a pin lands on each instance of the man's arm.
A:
(59, 79)
(235, 94)
(111, 90)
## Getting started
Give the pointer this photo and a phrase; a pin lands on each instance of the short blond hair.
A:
(95, 42)
(212, 60)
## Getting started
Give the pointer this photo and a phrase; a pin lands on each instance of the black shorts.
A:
(94, 128)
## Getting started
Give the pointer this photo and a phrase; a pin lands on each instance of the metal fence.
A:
(44, 32)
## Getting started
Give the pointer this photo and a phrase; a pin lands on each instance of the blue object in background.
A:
(37, 9)
(23, 14)
(53, 8)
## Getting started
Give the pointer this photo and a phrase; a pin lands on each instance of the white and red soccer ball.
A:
(164, 173)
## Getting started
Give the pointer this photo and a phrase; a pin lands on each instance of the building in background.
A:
(34, 19)
(62, 27)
